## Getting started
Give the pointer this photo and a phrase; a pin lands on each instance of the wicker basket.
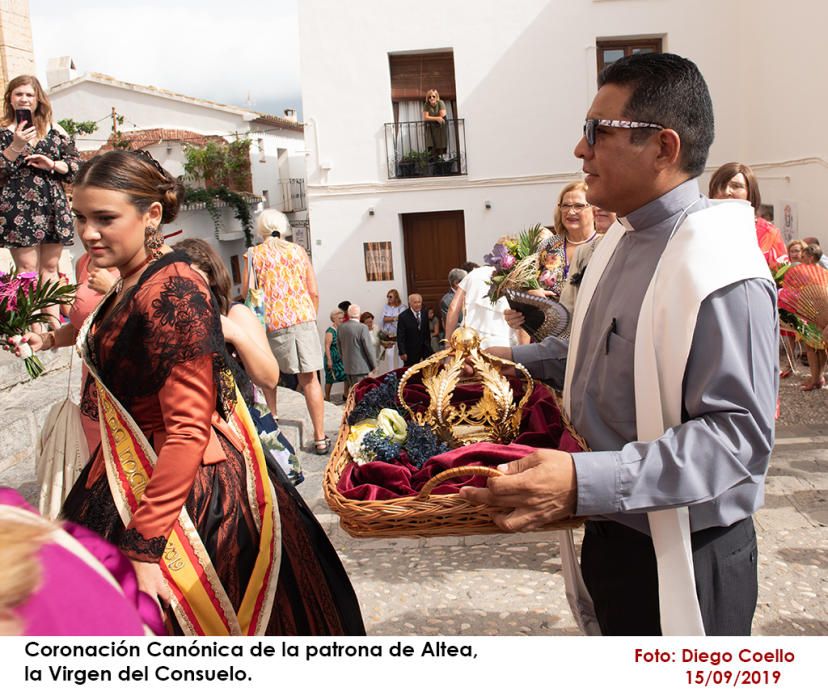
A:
(424, 515)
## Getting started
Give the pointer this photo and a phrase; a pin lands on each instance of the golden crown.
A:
(495, 417)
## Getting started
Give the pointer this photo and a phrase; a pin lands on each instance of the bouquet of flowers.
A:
(379, 432)
(24, 299)
(523, 262)
(527, 271)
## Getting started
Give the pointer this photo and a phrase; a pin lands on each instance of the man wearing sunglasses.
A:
(670, 376)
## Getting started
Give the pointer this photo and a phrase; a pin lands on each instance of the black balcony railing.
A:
(420, 149)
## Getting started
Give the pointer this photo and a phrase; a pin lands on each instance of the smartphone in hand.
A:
(24, 116)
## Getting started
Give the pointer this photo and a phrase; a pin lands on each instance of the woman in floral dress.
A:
(284, 271)
(37, 159)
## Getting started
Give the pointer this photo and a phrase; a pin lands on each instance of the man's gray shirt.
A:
(715, 461)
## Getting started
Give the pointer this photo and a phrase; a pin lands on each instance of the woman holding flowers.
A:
(574, 227)
(180, 483)
(37, 159)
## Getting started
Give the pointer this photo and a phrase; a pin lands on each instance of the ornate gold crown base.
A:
(494, 418)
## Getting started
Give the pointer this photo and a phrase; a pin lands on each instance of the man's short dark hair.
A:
(669, 90)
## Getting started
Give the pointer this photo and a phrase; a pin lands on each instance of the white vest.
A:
(711, 249)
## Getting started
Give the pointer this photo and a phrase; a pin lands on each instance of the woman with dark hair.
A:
(737, 181)
(37, 159)
(367, 319)
(246, 342)
(181, 483)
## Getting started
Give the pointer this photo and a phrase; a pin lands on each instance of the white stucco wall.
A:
(525, 75)
(88, 100)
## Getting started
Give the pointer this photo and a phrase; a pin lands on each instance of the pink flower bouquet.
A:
(24, 299)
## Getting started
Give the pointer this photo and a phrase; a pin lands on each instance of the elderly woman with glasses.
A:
(388, 333)
(574, 227)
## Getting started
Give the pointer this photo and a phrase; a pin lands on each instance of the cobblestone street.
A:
(511, 584)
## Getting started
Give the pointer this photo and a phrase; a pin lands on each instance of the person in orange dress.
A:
(737, 181)
(181, 483)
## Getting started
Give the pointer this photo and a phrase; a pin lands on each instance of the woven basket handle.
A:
(468, 470)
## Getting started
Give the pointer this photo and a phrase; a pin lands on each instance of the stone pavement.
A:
(504, 584)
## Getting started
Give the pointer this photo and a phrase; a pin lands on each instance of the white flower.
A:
(355, 438)
(393, 425)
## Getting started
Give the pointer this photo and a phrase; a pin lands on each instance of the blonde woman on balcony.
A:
(284, 271)
(434, 116)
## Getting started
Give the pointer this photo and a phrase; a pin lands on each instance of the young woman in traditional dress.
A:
(180, 482)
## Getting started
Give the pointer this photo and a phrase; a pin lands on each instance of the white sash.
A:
(687, 273)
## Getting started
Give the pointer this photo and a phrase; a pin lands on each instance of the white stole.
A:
(711, 249)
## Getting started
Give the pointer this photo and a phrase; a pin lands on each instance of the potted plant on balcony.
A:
(440, 167)
(413, 164)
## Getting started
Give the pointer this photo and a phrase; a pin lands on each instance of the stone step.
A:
(13, 371)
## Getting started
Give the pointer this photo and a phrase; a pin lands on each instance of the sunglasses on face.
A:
(590, 125)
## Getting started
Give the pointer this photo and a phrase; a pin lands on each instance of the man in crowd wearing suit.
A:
(413, 336)
(355, 347)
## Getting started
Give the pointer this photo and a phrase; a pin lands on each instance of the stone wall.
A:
(16, 52)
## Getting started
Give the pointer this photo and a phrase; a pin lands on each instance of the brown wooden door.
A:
(434, 242)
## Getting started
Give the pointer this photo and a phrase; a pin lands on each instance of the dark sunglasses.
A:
(591, 124)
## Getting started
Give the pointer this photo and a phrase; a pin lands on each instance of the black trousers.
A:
(619, 568)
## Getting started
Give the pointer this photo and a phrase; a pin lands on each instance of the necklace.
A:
(135, 269)
(577, 243)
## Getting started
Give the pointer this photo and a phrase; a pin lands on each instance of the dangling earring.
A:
(153, 240)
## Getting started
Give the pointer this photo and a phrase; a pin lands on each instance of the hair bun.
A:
(172, 196)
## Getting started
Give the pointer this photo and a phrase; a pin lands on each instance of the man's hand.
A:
(540, 488)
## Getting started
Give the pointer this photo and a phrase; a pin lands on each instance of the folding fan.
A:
(805, 292)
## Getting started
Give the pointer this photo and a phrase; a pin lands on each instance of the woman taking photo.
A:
(37, 159)
(180, 482)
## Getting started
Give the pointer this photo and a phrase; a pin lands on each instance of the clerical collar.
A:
(667, 205)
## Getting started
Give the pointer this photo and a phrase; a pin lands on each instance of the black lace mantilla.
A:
(89, 399)
(141, 548)
(165, 320)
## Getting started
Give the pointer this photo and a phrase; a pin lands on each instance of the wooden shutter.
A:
(412, 75)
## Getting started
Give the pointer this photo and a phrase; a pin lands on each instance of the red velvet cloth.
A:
(541, 426)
